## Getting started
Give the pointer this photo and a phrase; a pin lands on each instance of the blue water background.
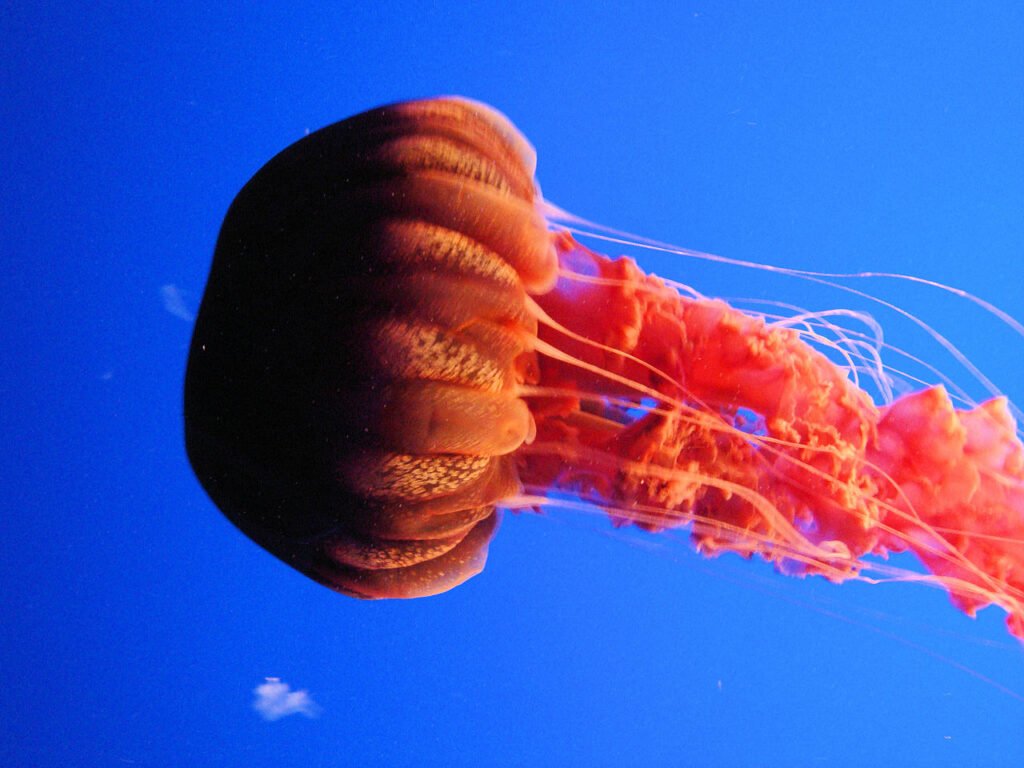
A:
(135, 621)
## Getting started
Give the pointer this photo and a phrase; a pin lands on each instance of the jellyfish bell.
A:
(394, 343)
(352, 389)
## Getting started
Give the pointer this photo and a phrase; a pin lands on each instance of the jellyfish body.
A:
(393, 345)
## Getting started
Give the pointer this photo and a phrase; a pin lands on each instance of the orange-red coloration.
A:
(828, 477)
(393, 344)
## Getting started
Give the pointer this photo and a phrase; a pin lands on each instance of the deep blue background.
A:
(136, 621)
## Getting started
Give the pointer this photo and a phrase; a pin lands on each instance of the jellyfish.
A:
(396, 342)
